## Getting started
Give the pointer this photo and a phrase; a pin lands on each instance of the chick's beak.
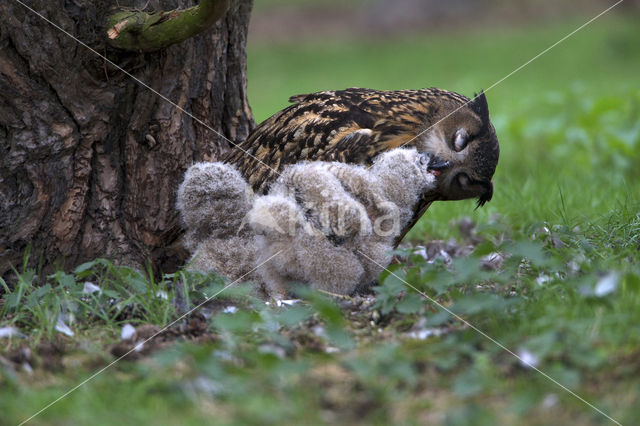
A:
(437, 165)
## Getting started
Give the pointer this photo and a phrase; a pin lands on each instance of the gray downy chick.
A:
(332, 225)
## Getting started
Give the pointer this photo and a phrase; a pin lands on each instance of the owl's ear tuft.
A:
(480, 106)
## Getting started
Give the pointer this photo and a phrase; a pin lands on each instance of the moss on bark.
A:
(147, 32)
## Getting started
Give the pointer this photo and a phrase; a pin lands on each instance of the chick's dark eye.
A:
(460, 140)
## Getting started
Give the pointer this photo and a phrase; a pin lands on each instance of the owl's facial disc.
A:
(468, 174)
(465, 138)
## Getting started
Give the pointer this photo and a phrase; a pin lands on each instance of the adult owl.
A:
(355, 125)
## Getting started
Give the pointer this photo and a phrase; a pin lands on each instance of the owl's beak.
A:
(436, 164)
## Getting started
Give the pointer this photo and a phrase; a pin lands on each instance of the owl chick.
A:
(332, 225)
(356, 125)
(212, 200)
(328, 224)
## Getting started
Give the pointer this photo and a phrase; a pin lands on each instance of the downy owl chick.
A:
(332, 225)
(212, 200)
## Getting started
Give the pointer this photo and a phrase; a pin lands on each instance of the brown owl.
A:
(355, 125)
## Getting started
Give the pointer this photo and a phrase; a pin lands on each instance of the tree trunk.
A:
(89, 159)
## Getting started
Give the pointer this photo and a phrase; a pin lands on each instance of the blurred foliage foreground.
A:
(550, 270)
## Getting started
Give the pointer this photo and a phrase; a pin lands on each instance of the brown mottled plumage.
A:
(355, 125)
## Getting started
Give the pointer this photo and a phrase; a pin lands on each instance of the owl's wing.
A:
(351, 126)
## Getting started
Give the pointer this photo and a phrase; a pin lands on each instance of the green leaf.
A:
(64, 279)
(441, 317)
(340, 337)
(478, 302)
(241, 321)
(410, 304)
(531, 250)
(326, 308)
(112, 294)
(470, 382)
(12, 300)
(293, 315)
(86, 267)
(395, 280)
(38, 294)
(467, 269)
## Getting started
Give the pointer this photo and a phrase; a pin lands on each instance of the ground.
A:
(548, 270)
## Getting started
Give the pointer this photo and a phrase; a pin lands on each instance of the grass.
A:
(566, 298)
(37, 305)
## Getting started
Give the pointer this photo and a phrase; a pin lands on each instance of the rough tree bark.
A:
(90, 160)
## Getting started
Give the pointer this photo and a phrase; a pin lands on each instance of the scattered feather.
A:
(27, 368)
(528, 359)
(64, 328)
(90, 288)
(421, 251)
(6, 332)
(223, 355)
(207, 386)
(607, 284)
(542, 278)
(424, 333)
(127, 332)
(272, 349)
(319, 331)
(557, 242)
(573, 266)
(493, 261)
(550, 401)
(287, 302)
(442, 254)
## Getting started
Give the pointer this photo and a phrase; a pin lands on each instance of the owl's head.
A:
(464, 137)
